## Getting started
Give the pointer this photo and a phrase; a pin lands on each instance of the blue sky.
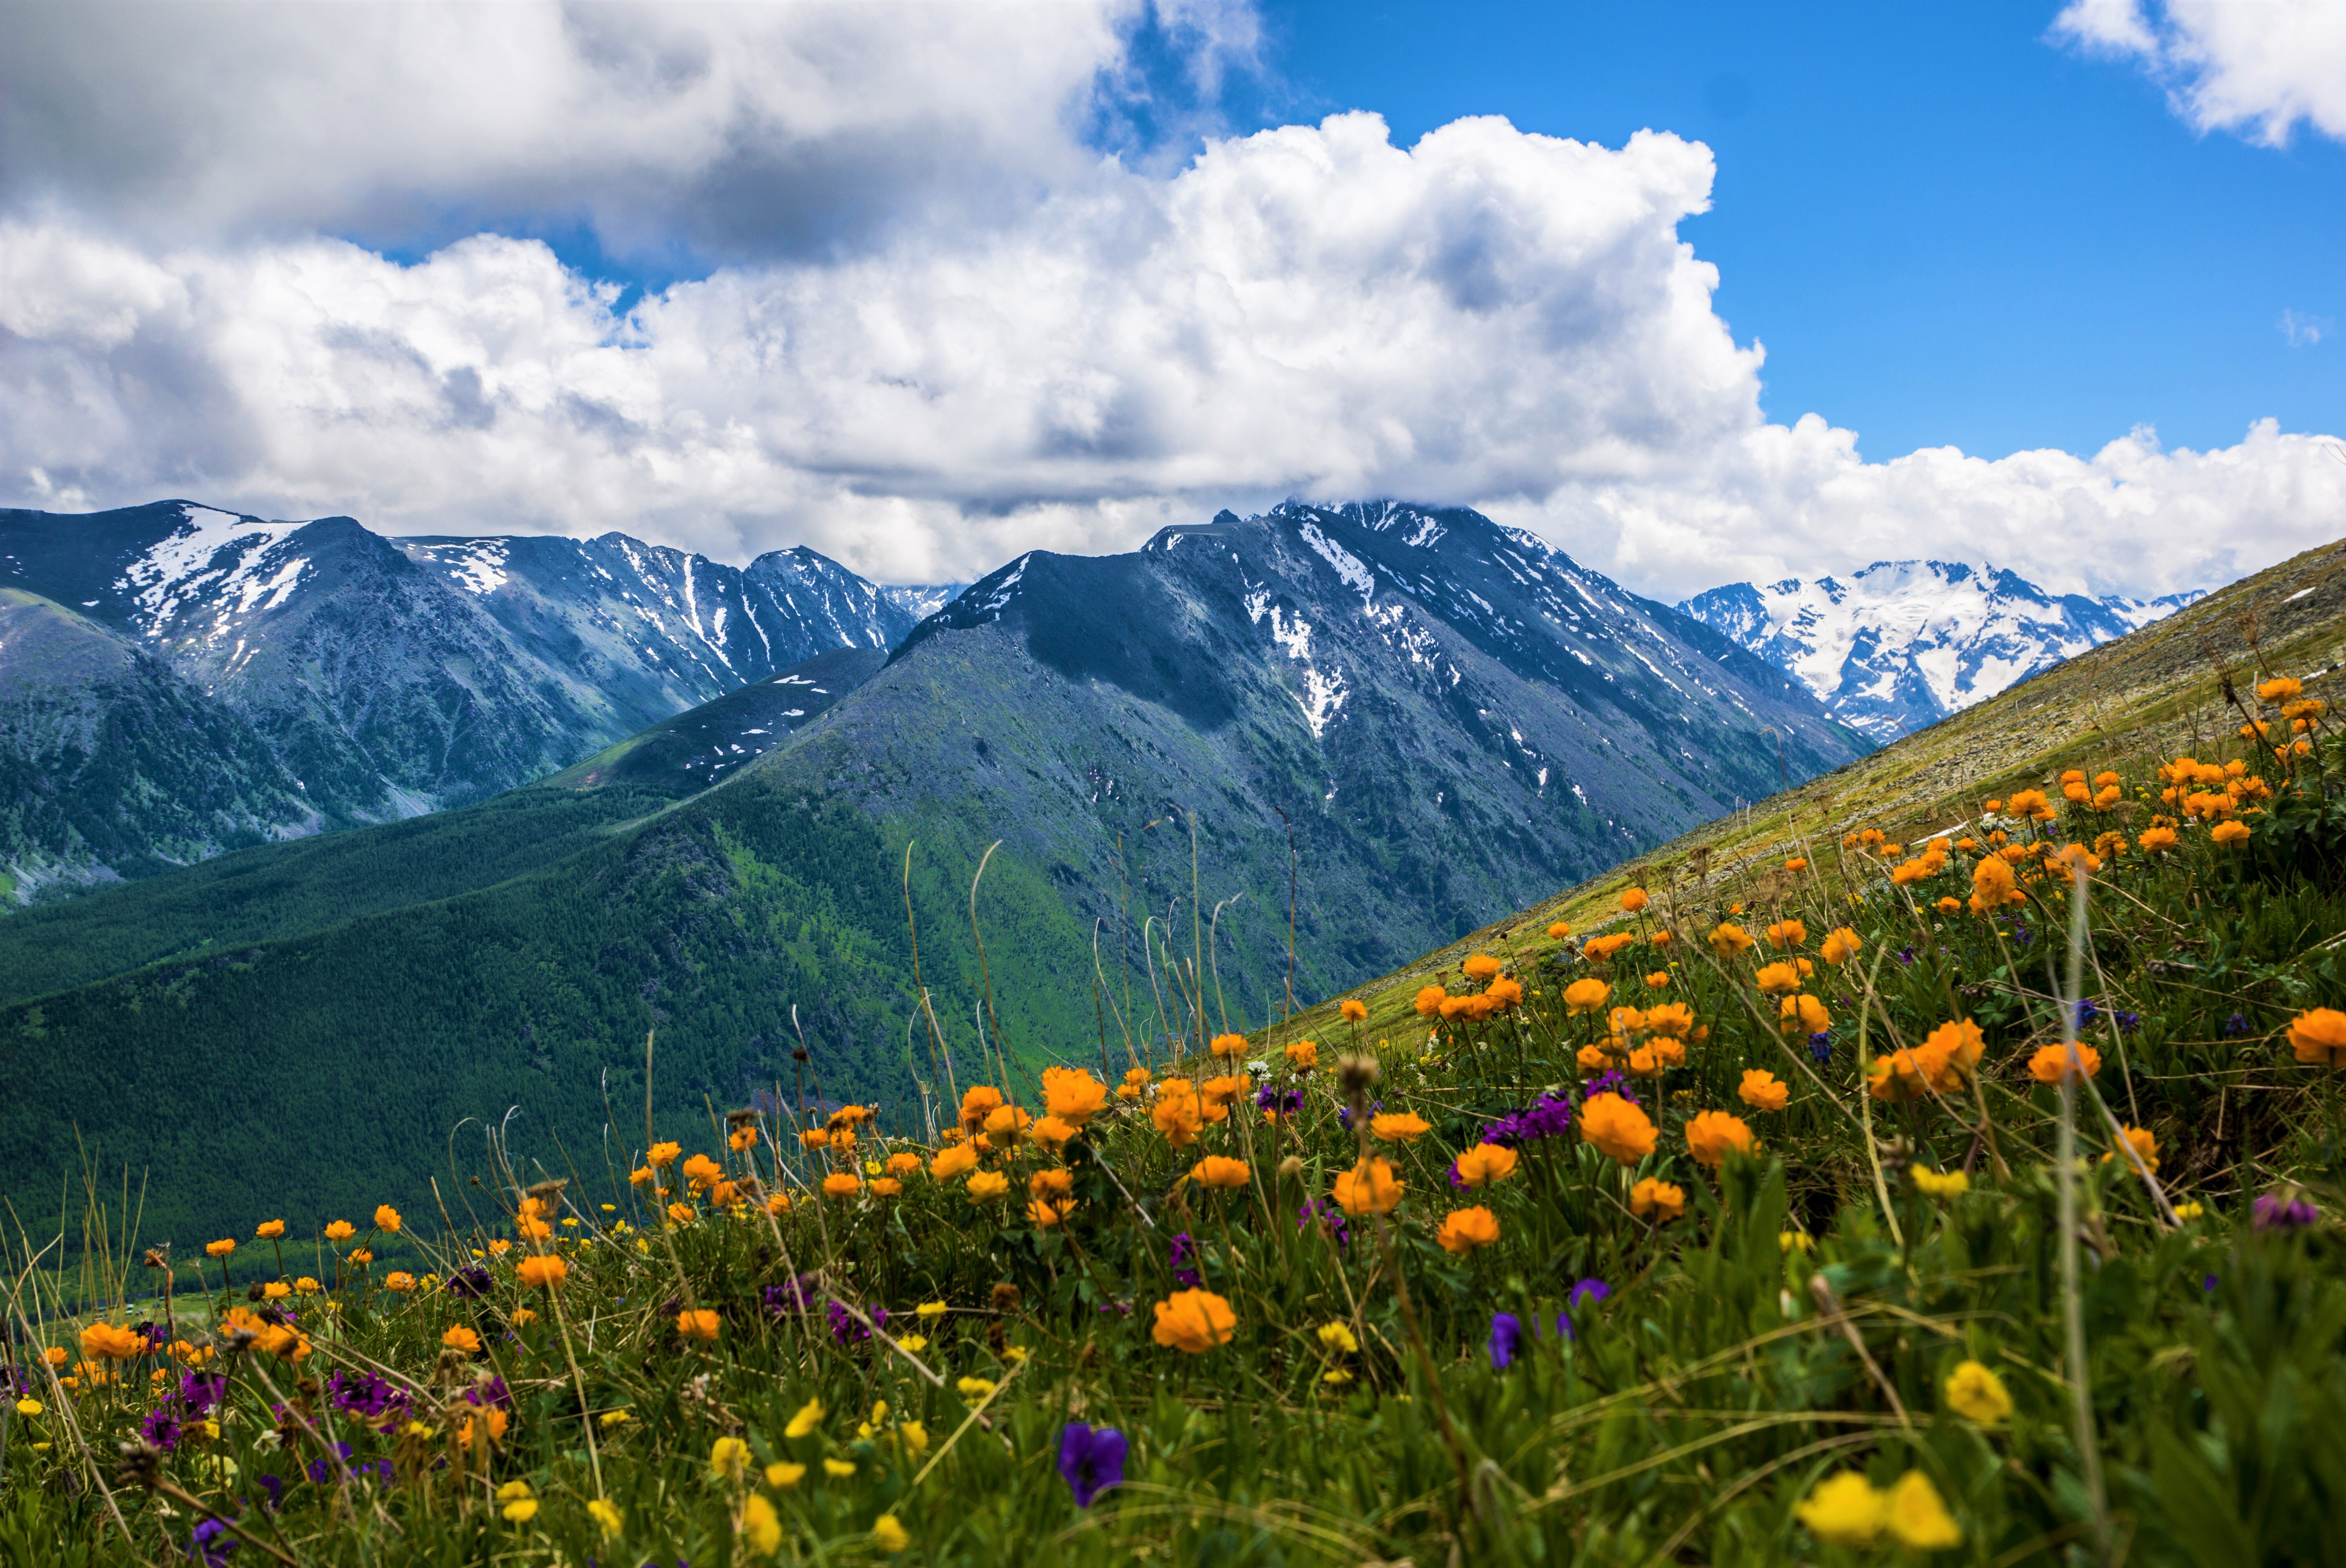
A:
(1946, 228)
(866, 278)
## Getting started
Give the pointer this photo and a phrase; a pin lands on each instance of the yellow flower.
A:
(1335, 1336)
(29, 1407)
(888, 1534)
(1918, 1518)
(615, 1417)
(760, 1525)
(839, 1468)
(973, 1388)
(1940, 1183)
(1845, 1510)
(782, 1475)
(521, 1510)
(2189, 1211)
(930, 1311)
(606, 1515)
(1791, 1241)
(914, 1437)
(728, 1458)
(810, 1416)
(1977, 1394)
(1195, 1321)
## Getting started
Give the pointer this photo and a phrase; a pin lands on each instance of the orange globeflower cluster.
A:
(1619, 1130)
(2052, 1065)
(1939, 1063)
(1368, 1188)
(1711, 1136)
(2318, 1037)
(1194, 1322)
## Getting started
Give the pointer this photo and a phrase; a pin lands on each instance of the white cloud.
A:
(1488, 317)
(2256, 68)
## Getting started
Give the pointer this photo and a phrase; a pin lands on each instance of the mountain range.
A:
(1411, 717)
(1903, 644)
(232, 681)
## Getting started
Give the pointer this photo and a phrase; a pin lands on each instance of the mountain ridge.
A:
(1899, 645)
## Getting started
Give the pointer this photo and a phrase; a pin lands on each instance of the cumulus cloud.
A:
(781, 127)
(2256, 68)
(1489, 317)
(918, 380)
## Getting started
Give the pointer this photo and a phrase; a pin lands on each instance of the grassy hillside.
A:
(2146, 697)
(1818, 1221)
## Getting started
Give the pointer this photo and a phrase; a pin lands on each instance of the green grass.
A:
(2171, 1365)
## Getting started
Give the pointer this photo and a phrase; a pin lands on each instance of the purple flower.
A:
(368, 1397)
(1586, 1290)
(2129, 1022)
(1506, 1337)
(1329, 1218)
(1279, 1101)
(474, 1282)
(2275, 1211)
(1550, 1116)
(1821, 1046)
(2237, 1024)
(199, 1392)
(792, 1296)
(488, 1391)
(276, 1491)
(1612, 1081)
(1185, 1257)
(1344, 1113)
(161, 1429)
(1906, 954)
(844, 1327)
(2086, 1013)
(211, 1543)
(1092, 1459)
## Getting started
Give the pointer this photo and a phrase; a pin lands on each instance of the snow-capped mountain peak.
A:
(1903, 644)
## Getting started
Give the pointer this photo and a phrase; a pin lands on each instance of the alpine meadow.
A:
(839, 782)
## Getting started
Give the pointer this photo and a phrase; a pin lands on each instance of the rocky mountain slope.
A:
(1453, 719)
(388, 678)
(1903, 644)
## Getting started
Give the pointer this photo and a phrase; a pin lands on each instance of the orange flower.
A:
(842, 1184)
(2146, 1148)
(742, 1139)
(1593, 1059)
(1484, 1163)
(2283, 688)
(400, 1280)
(1763, 1090)
(2051, 1063)
(1400, 1126)
(218, 1248)
(1787, 933)
(1796, 864)
(681, 1213)
(1481, 966)
(1804, 1014)
(1194, 1321)
(985, 1186)
(1777, 979)
(978, 1103)
(341, 1230)
(461, 1338)
(703, 1172)
(2229, 833)
(1619, 1129)
(1660, 1201)
(697, 1324)
(269, 1229)
(1228, 1047)
(1601, 949)
(887, 1187)
(812, 1138)
(1467, 1228)
(1428, 999)
(1841, 945)
(1074, 1097)
(386, 1219)
(1215, 1171)
(105, 1341)
(1674, 1019)
(1992, 886)
(1304, 1054)
(662, 1155)
(1043, 1214)
(1353, 1012)
(2318, 1037)
(1660, 979)
(1005, 1125)
(1505, 991)
(1368, 1188)
(1177, 1113)
(1712, 1134)
(1727, 939)
(1634, 899)
(1948, 906)
(2155, 840)
(491, 1424)
(546, 1271)
(1586, 995)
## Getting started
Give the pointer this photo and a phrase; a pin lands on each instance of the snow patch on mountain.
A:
(1901, 645)
(212, 557)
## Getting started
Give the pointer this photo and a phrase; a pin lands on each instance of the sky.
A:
(1698, 292)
